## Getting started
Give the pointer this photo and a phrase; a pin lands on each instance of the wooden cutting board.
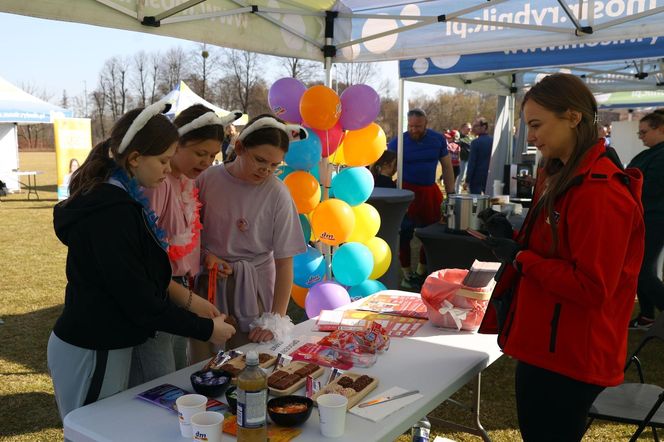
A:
(292, 368)
(354, 398)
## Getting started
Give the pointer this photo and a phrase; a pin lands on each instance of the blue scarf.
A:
(136, 192)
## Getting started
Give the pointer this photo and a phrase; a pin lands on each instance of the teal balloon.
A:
(283, 171)
(304, 154)
(306, 227)
(365, 288)
(308, 268)
(352, 263)
(315, 171)
(353, 185)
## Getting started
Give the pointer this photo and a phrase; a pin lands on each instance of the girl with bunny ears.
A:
(118, 271)
(175, 202)
(251, 222)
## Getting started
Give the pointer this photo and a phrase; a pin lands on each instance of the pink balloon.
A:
(330, 138)
(284, 99)
(360, 105)
(325, 295)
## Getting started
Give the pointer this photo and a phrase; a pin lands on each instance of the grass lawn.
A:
(32, 292)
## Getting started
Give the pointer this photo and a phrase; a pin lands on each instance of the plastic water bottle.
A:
(420, 431)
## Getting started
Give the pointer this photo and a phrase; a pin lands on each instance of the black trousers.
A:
(651, 289)
(550, 406)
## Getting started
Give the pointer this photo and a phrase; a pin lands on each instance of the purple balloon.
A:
(360, 105)
(284, 99)
(325, 295)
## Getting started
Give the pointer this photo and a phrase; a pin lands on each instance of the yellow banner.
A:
(73, 142)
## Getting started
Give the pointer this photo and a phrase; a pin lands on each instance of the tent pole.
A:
(328, 51)
(400, 134)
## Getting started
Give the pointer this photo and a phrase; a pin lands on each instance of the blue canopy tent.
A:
(623, 65)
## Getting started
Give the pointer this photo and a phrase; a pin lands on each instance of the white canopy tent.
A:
(370, 30)
(19, 107)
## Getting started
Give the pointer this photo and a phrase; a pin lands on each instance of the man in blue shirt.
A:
(480, 157)
(423, 149)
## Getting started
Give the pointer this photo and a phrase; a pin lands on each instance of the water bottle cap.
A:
(252, 358)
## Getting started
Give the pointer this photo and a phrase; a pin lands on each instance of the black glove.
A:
(504, 249)
(496, 223)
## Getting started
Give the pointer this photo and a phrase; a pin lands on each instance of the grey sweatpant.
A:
(82, 376)
(157, 357)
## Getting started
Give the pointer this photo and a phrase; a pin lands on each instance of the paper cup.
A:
(207, 426)
(332, 413)
(188, 405)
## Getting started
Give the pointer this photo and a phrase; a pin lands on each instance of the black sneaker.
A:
(413, 281)
(641, 323)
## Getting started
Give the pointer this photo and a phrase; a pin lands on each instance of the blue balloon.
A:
(305, 154)
(352, 263)
(365, 288)
(306, 227)
(308, 268)
(353, 185)
(315, 171)
(283, 171)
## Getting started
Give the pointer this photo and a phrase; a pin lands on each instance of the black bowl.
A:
(211, 383)
(231, 398)
(289, 419)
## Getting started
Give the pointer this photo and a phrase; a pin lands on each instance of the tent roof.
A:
(606, 67)
(184, 97)
(630, 99)
(365, 30)
(18, 106)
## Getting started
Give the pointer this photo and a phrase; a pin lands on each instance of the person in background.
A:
(465, 138)
(605, 134)
(480, 157)
(175, 202)
(384, 169)
(573, 269)
(651, 163)
(423, 149)
(453, 148)
(118, 272)
(228, 143)
(251, 222)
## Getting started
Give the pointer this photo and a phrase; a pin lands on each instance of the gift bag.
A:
(451, 304)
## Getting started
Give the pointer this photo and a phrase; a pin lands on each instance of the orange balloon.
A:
(320, 107)
(298, 294)
(333, 221)
(304, 189)
(364, 146)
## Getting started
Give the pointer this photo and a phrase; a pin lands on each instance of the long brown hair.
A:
(560, 93)
(153, 139)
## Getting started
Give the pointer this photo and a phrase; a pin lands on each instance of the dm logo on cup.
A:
(180, 417)
(200, 436)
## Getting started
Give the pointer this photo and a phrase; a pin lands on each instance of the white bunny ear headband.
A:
(209, 119)
(295, 132)
(142, 119)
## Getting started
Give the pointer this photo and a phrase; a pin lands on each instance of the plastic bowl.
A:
(231, 399)
(211, 383)
(289, 419)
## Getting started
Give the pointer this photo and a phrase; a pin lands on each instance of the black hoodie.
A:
(117, 275)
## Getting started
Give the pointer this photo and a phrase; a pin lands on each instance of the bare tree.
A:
(33, 136)
(141, 76)
(205, 65)
(115, 77)
(304, 70)
(242, 68)
(348, 74)
(173, 69)
(155, 75)
(64, 100)
(99, 104)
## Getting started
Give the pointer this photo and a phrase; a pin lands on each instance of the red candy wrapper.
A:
(371, 341)
(326, 356)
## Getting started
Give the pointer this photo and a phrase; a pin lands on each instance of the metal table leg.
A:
(32, 186)
(474, 408)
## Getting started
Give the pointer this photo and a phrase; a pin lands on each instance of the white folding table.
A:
(436, 361)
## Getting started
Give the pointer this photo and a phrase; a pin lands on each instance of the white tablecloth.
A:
(436, 361)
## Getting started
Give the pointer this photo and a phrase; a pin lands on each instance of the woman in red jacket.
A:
(576, 263)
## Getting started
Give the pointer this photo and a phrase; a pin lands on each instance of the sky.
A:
(53, 56)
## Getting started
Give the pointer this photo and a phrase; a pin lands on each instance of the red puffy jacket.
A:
(571, 308)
